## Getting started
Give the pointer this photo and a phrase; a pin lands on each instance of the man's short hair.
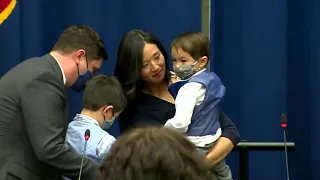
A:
(103, 90)
(154, 153)
(81, 37)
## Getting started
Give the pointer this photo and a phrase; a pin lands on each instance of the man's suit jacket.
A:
(33, 123)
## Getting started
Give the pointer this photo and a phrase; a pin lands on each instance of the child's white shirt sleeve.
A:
(190, 95)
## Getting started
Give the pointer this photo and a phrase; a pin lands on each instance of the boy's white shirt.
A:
(189, 96)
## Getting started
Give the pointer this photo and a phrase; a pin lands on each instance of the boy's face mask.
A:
(186, 71)
(107, 123)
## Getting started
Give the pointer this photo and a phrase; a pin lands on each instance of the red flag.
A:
(6, 7)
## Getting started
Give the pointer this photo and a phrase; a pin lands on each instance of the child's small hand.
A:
(174, 77)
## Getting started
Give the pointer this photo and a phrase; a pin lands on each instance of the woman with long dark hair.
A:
(142, 69)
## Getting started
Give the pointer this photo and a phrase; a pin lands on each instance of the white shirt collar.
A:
(195, 74)
(199, 72)
(63, 75)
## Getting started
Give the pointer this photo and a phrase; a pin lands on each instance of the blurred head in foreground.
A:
(154, 153)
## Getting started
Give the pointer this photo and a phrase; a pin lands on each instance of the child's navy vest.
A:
(205, 117)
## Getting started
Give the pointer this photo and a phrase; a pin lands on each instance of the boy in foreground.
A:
(103, 101)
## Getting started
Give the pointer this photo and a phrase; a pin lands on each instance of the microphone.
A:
(284, 126)
(86, 138)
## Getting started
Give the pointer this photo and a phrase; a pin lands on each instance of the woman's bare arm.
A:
(219, 151)
(230, 137)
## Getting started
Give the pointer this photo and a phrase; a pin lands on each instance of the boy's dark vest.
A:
(205, 117)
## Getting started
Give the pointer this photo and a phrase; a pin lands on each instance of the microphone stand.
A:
(83, 154)
(286, 153)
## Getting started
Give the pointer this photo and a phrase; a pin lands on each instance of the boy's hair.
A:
(103, 90)
(154, 153)
(78, 37)
(194, 43)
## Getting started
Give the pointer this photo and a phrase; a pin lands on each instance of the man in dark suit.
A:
(34, 109)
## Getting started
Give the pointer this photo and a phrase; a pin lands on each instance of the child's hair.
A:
(155, 153)
(194, 43)
(103, 90)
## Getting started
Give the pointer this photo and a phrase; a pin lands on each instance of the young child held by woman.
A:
(197, 95)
